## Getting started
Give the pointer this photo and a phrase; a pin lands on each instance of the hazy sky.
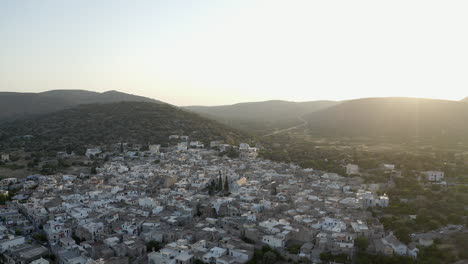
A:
(220, 52)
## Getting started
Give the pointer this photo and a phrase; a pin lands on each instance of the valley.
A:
(295, 192)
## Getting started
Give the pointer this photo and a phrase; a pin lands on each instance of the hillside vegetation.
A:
(98, 124)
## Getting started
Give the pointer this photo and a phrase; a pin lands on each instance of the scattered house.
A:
(352, 169)
(182, 146)
(196, 144)
(154, 149)
(5, 157)
(387, 167)
(243, 146)
(398, 247)
(216, 143)
(383, 200)
(434, 176)
(93, 152)
(247, 152)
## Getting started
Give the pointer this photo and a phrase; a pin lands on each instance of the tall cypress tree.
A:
(226, 184)
(212, 187)
(220, 182)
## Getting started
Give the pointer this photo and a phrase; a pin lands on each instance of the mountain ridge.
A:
(393, 117)
(23, 105)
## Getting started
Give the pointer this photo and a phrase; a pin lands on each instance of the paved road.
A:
(290, 128)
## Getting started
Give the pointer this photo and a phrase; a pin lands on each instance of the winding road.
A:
(290, 128)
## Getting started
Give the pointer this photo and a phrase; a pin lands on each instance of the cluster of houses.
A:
(132, 202)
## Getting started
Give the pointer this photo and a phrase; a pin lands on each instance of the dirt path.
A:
(290, 128)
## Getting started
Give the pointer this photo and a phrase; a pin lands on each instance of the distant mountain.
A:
(261, 117)
(397, 118)
(98, 124)
(22, 105)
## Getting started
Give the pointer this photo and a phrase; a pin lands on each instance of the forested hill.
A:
(15, 106)
(261, 117)
(97, 124)
(398, 118)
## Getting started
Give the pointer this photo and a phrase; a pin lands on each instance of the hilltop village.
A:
(191, 203)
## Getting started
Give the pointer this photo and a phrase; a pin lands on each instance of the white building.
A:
(383, 201)
(5, 157)
(154, 149)
(251, 217)
(182, 146)
(10, 241)
(276, 241)
(93, 152)
(243, 146)
(352, 169)
(196, 144)
(240, 255)
(434, 176)
(214, 254)
(55, 229)
(247, 152)
(369, 199)
(8, 181)
(398, 247)
(385, 166)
